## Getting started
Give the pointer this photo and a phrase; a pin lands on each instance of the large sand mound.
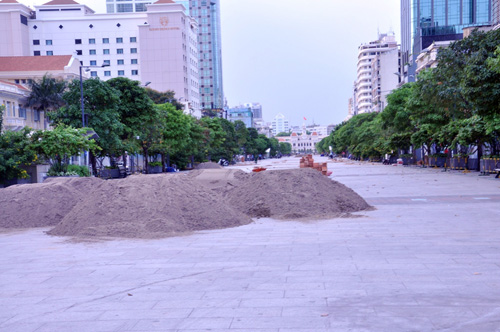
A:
(149, 207)
(292, 194)
(42, 204)
(209, 165)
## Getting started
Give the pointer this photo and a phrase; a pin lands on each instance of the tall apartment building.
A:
(207, 14)
(495, 12)
(209, 46)
(426, 21)
(385, 77)
(157, 46)
(280, 124)
(367, 55)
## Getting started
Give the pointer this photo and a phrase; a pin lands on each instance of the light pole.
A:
(81, 88)
(81, 100)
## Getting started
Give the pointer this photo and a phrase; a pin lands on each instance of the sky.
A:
(294, 57)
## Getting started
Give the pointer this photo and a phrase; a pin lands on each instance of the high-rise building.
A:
(426, 21)
(280, 124)
(256, 109)
(207, 13)
(368, 55)
(157, 46)
(243, 114)
(495, 8)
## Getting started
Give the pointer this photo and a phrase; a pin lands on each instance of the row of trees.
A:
(453, 106)
(125, 117)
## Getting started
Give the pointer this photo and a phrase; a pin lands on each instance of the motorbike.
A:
(223, 162)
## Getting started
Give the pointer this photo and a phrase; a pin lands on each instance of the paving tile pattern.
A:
(423, 260)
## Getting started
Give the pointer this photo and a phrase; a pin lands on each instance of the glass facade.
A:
(439, 20)
(207, 13)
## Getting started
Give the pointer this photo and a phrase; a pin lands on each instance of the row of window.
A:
(107, 51)
(118, 62)
(133, 72)
(119, 40)
(10, 110)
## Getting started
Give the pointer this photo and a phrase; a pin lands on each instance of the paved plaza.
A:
(426, 259)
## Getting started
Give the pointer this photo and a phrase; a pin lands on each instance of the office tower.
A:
(256, 109)
(495, 5)
(373, 54)
(426, 21)
(280, 124)
(207, 13)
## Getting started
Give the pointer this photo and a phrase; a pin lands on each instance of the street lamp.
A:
(81, 88)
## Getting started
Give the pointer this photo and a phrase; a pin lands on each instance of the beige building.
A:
(16, 74)
(428, 57)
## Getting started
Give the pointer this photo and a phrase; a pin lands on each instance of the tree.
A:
(213, 134)
(101, 109)
(46, 94)
(14, 152)
(174, 132)
(58, 145)
(164, 98)
(285, 148)
(2, 109)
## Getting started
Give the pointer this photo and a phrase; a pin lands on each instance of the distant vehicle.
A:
(223, 162)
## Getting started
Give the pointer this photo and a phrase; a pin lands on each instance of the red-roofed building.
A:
(16, 73)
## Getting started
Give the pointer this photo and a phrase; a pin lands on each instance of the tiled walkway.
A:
(427, 259)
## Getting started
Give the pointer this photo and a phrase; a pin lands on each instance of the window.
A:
(36, 115)
(36, 42)
(107, 73)
(105, 51)
(49, 53)
(48, 42)
(105, 40)
(120, 62)
(92, 52)
(22, 112)
(92, 41)
(78, 41)
(121, 72)
(135, 72)
(133, 61)
(119, 51)
(119, 40)
(133, 39)
(93, 62)
(79, 52)
(107, 62)
(140, 7)
(36, 53)
(133, 50)
(93, 73)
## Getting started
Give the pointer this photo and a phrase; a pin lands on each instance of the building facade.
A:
(207, 13)
(385, 78)
(243, 114)
(426, 21)
(367, 55)
(16, 74)
(256, 109)
(280, 124)
(495, 12)
(158, 46)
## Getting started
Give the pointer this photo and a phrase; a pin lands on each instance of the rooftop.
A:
(33, 63)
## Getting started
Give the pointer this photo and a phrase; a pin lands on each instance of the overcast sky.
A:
(295, 57)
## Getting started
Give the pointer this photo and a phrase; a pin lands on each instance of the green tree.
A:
(213, 134)
(101, 109)
(46, 94)
(14, 153)
(58, 145)
(164, 98)
(285, 148)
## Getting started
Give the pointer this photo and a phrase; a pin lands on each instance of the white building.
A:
(280, 124)
(364, 82)
(157, 46)
(256, 109)
(428, 57)
(385, 78)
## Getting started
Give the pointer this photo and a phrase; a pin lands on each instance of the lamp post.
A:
(81, 88)
(81, 100)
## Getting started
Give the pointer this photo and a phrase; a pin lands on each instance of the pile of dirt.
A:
(43, 204)
(209, 165)
(150, 206)
(292, 194)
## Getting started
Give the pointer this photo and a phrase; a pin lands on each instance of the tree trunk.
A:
(168, 159)
(93, 163)
(163, 168)
(146, 157)
(479, 155)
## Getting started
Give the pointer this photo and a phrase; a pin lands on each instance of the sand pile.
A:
(292, 194)
(42, 204)
(209, 165)
(149, 207)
